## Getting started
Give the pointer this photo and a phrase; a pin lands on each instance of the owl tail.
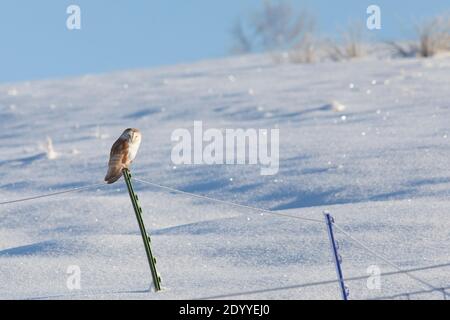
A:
(113, 175)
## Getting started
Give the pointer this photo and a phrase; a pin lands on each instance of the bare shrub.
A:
(305, 51)
(350, 46)
(404, 49)
(433, 37)
(241, 41)
(276, 27)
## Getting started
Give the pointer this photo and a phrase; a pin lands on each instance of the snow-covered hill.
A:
(381, 167)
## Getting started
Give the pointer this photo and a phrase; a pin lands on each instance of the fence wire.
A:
(53, 194)
(386, 260)
(194, 195)
(407, 272)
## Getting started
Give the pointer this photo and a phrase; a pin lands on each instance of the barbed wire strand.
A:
(386, 260)
(194, 195)
(360, 243)
(52, 194)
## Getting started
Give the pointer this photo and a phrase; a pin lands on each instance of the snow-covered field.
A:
(381, 167)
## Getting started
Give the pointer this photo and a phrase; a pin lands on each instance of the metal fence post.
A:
(145, 237)
(334, 250)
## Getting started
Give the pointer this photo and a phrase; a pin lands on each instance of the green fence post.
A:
(145, 236)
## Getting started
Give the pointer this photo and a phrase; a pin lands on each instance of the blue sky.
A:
(118, 34)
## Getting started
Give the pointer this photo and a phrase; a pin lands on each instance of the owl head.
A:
(132, 135)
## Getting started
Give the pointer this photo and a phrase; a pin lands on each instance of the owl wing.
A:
(118, 159)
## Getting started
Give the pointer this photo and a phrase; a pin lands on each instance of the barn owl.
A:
(122, 154)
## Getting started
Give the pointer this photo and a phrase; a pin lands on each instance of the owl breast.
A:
(132, 150)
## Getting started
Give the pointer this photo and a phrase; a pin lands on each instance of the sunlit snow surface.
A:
(380, 164)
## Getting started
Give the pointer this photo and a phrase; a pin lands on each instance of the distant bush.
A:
(241, 42)
(306, 51)
(276, 27)
(433, 37)
(351, 44)
(289, 34)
